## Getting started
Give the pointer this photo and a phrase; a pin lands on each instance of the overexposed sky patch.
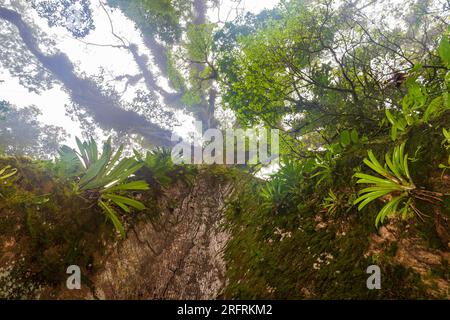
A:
(91, 59)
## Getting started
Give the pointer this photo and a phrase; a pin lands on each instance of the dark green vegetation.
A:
(55, 220)
(104, 177)
(313, 72)
(311, 244)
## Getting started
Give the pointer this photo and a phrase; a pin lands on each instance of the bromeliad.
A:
(396, 184)
(105, 177)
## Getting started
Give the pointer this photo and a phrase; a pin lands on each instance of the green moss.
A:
(446, 206)
(329, 262)
(307, 262)
(52, 228)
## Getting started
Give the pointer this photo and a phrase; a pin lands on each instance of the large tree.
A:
(178, 40)
(306, 67)
(22, 134)
(316, 68)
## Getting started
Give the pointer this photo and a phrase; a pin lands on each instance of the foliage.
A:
(273, 195)
(330, 170)
(324, 168)
(3, 108)
(289, 257)
(292, 172)
(445, 166)
(446, 141)
(444, 48)
(348, 142)
(422, 103)
(396, 186)
(349, 137)
(417, 108)
(22, 134)
(74, 15)
(446, 144)
(105, 178)
(6, 173)
(336, 203)
(159, 162)
(283, 189)
(334, 78)
(52, 227)
(156, 17)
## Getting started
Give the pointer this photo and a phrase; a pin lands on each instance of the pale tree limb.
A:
(84, 92)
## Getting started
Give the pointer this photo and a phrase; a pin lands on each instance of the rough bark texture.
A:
(180, 256)
(173, 251)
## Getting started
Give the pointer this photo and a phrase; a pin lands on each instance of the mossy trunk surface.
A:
(173, 251)
(180, 256)
(207, 237)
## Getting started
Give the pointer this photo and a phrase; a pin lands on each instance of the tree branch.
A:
(104, 109)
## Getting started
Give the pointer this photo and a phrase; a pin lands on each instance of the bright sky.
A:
(91, 59)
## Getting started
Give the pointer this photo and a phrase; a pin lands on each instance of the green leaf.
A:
(432, 108)
(446, 133)
(390, 117)
(388, 209)
(394, 133)
(111, 214)
(93, 171)
(137, 155)
(4, 174)
(114, 159)
(355, 136)
(379, 188)
(369, 197)
(4, 169)
(372, 179)
(135, 185)
(345, 138)
(94, 150)
(444, 50)
(406, 167)
(390, 165)
(82, 150)
(124, 200)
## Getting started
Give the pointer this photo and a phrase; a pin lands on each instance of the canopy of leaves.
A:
(21, 133)
(74, 15)
(160, 18)
(317, 68)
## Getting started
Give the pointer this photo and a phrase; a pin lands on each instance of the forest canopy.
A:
(357, 89)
